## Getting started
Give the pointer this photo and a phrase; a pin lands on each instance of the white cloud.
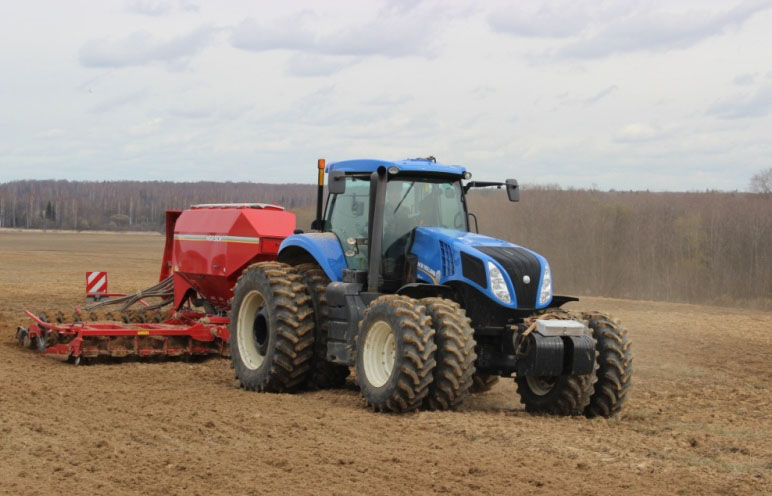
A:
(387, 34)
(607, 28)
(389, 100)
(131, 98)
(152, 8)
(553, 19)
(659, 30)
(601, 94)
(192, 110)
(310, 65)
(189, 6)
(291, 33)
(157, 8)
(51, 133)
(142, 48)
(744, 79)
(749, 104)
(268, 87)
(637, 132)
(146, 127)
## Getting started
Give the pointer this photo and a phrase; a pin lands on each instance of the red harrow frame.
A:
(185, 334)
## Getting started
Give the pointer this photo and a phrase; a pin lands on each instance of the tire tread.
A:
(324, 374)
(288, 302)
(414, 367)
(455, 356)
(615, 365)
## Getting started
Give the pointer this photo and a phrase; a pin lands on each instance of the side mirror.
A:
(337, 183)
(513, 190)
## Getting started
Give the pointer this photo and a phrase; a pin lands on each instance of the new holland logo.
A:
(434, 275)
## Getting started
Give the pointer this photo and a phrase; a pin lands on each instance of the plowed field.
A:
(698, 420)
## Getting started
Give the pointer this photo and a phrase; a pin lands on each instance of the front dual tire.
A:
(414, 353)
(600, 394)
(395, 354)
(455, 371)
(555, 395)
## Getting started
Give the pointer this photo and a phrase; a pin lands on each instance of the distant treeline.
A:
(127, 205)
(709, 247)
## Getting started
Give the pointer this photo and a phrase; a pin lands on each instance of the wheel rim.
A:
(541, 385)
(379, 353)
(252, 330)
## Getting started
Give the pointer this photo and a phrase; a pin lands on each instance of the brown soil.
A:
(698, 420)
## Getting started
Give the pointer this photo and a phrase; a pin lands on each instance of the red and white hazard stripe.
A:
(96, 283)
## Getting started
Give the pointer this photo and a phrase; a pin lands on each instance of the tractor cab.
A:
(375, 203)
(410, 201)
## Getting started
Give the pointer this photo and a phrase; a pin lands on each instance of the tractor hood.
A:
(446, 256)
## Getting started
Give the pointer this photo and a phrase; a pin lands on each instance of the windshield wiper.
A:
(403, 198)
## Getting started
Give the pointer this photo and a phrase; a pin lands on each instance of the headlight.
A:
(498, 284)
(546, 285)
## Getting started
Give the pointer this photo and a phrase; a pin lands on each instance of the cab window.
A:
(347, 216)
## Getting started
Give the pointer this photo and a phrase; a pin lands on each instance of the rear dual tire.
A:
(324, 374)
(271, 328)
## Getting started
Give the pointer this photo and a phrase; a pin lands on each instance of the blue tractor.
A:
(393, 282)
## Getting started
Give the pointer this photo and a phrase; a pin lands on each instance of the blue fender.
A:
(324, 248)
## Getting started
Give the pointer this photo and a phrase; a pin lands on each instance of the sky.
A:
(614, 95)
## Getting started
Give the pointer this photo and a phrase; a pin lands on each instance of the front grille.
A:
(518, 262)
(473, 269)
(447, 259)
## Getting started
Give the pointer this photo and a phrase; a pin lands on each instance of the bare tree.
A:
(761, 182)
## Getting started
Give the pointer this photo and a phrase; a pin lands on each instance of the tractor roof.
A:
(409, 165)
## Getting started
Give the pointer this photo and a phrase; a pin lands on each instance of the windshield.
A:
(408, 204)
(412, 203)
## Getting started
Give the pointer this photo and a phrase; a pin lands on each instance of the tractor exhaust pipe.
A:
(320, 192)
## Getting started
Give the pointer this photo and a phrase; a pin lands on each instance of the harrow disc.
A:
(22, 336)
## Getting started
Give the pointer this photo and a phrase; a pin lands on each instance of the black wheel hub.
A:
(260, 331)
